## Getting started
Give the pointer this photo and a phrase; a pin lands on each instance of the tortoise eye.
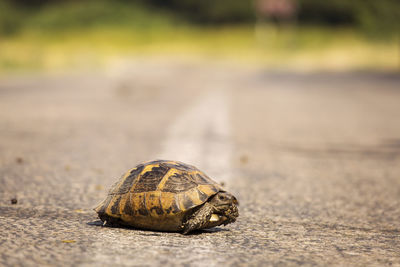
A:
(221, 197)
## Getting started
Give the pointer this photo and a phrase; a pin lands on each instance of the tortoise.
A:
(167, 196)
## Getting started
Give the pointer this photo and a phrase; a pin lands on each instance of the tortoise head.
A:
(225, 208)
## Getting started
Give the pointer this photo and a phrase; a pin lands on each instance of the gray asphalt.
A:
(313, 159)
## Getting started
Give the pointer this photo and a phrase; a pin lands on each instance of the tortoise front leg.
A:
(198, 219)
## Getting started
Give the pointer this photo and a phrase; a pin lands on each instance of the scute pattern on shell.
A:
(179, 182)
(128, 180)
(149, 181)
(148, 176)
(157, 193)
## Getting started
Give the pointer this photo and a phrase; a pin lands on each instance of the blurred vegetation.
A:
(369, 15)
(10, 18)
(210, 12)
(48, 33)
(372, 16)
(58, 16)
(378, 18)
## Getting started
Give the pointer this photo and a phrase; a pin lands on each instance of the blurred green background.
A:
(287, 34)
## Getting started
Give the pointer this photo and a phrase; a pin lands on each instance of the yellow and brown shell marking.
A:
(155, 195)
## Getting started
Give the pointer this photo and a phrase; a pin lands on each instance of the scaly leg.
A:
(198, 219)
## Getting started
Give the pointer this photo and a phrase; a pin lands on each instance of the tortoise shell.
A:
(157, 195)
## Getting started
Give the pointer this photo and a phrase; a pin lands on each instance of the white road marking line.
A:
(201, 137)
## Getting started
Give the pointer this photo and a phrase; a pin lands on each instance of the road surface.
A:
(314, 160)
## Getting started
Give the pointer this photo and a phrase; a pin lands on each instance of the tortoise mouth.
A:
(228, 213)
(216, 220)
(217, 217)
(224, 216)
